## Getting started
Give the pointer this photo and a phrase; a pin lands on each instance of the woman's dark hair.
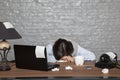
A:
(62, 48)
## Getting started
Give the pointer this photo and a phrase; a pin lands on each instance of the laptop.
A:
(32, 57)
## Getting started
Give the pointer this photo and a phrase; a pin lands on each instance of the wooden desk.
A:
(78, 71)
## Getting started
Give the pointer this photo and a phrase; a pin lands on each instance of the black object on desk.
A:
(25, 58)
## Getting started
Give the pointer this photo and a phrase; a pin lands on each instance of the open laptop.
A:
(32, 57)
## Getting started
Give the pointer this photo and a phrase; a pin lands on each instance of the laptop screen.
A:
(28, 57)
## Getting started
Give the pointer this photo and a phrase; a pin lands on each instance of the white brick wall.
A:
(94, 24)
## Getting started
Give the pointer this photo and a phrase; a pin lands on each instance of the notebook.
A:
(32, 57)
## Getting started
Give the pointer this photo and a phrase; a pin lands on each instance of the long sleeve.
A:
(88, 55)
(50, 56)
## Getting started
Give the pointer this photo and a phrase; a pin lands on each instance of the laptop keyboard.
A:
(51, 65)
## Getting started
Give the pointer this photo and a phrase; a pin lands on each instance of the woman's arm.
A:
(50, 56)
(88, 55)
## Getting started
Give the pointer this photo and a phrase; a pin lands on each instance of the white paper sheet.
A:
(111, 54)
(39, 51)
(8, 25)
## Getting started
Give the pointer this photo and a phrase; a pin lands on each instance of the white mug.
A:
(79, 60)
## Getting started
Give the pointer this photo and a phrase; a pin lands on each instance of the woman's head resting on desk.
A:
(63, 49)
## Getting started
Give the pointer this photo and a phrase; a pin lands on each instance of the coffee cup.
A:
(79, 60)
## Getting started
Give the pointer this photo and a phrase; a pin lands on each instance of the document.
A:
(40, 51)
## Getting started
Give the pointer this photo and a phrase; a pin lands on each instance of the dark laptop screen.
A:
(25, 58)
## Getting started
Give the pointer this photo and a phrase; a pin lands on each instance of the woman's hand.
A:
(68, 58)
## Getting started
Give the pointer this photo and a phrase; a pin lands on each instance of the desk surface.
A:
(78, 71)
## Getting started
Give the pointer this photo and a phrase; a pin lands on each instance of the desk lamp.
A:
(7, 31)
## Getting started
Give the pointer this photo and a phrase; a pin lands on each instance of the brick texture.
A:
(94, 24)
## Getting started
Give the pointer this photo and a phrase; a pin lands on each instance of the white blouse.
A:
(80, 51)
